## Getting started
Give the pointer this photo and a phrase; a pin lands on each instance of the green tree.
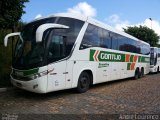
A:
(10, 15)
(143, 33)
(11, 12)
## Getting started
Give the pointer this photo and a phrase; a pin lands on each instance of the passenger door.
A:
(57, 75)
(57, 63)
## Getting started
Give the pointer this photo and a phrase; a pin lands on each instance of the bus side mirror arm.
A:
(10, 35)
(42, 28)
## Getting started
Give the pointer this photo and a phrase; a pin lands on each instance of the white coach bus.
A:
(65, 51)
(155, 60)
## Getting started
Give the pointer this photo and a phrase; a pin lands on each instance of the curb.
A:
(5, 89)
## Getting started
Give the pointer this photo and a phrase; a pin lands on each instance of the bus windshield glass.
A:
(153, 57)
(30, 54)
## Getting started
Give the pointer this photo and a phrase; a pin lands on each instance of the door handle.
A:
(50, 70)
(53, 73)
(65, 73)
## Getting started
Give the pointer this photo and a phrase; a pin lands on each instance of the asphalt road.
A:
(127, 96)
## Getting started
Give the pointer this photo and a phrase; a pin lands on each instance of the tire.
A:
(158, 70)
(136, 75)
(83, 82)
(142, 72)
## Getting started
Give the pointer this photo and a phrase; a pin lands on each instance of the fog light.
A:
(35, 86)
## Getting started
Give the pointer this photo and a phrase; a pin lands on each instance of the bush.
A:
(5, 59)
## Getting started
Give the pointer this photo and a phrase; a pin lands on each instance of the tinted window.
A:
(133, 47)
(114, 38)
(98, 37)
(29, 30)
(73, 31)
(61, 41)
(57, 48)
(106, 41)
(130, 45)
(158, 52)
(145, 49)
(123, 44)
(138, 45)
(91, 37)
(127, 44)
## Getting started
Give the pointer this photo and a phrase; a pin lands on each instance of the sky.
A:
(116, 13)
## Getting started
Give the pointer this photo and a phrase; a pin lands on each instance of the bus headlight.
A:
(37, 75)
(30, 77)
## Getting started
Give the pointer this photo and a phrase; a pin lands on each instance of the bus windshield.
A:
(153, 57)
(30, 54)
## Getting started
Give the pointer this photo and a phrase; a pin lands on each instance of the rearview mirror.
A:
(10, 35)
(42, 28)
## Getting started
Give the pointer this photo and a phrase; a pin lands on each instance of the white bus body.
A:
(155, 60)
(65, 51)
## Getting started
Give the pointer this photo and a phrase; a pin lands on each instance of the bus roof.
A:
(153, 47)
(92, 21)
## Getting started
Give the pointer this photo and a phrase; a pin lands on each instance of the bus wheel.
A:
(142, 72)
(136, 75)
(83, 82)
(158, 69)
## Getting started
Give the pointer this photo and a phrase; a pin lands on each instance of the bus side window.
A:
(91, 38)
(122, 43)
(114, 41)
(57, 48)
(144, 50)
(158, 52)
(106, 41)
(131, 45)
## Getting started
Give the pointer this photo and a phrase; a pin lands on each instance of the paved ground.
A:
(120, 97)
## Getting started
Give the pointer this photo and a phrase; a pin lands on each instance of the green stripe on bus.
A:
(27, 72)
(145, 59)
(111, 56)
(139, 59)
(96, 55)
(106, 56)
(92, 54)
(128, 66)
(131, 58)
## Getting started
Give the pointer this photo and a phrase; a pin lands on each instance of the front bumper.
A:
(153, 70)
(38, 85)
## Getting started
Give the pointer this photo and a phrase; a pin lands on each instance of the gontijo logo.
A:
(110, 56)
(96, 55)
(105, 56)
